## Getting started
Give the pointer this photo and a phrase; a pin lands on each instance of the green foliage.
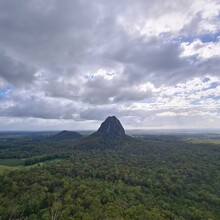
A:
(116, 179)
(43, 158)
(11, 162)
(4, 169)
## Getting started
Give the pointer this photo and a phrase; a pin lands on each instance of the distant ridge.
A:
(110, 134)
(67, 135)
(111, 127)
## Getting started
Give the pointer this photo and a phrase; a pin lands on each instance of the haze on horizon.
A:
(70, 64)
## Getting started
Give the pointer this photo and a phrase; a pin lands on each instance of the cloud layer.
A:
(73, 63)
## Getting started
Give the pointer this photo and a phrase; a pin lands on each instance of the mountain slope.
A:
(110, 134)
(67, 135)
(111, 127)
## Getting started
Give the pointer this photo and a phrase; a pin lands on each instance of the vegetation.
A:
(66, 135)
(4, 169)
(106, 178)
(11, 162)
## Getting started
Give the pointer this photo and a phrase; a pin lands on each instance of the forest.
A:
(134, 177)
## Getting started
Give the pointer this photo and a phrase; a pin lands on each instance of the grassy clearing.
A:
(208, 141)
(11, 162)
(4, 169)
(44, 162)
(7, 165)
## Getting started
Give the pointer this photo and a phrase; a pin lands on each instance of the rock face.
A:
(111, 127)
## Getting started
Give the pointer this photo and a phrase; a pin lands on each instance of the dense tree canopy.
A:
(124, 179)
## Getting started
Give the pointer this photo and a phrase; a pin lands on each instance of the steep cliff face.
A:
(111, 127)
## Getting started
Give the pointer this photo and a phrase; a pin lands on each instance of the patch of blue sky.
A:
(4, 90)
(214, 97)
(148, 100)
(205, 38)
(180, 93)
(90, 76)
(213, 37)
(206, 79)
(195, 102)
(214, 85)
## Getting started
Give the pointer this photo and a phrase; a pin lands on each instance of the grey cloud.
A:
(209, 65)
(147, 118)
(192, 28)
(60, 35)
(15, 72)
(36, 107)
(103, 91)
(99, 112)
(120, 110)
(69, 89)
(53, 33)
(132, 94)
(65, 40)
(157, 60)
(99, 91)
(153, 55)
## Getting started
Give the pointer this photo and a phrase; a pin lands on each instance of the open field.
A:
(11, 162)
(4, 169)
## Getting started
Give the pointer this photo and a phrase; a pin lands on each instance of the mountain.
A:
(110, 134)
(67, 135)
(111, 127)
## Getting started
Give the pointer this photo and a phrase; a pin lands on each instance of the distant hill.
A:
(66, 135)
(110, 134)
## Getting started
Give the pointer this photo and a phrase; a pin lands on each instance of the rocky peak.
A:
(111, 127)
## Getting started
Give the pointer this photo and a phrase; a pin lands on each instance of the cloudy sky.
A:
(70, 64)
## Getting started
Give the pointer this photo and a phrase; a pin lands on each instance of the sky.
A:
(70, 64)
